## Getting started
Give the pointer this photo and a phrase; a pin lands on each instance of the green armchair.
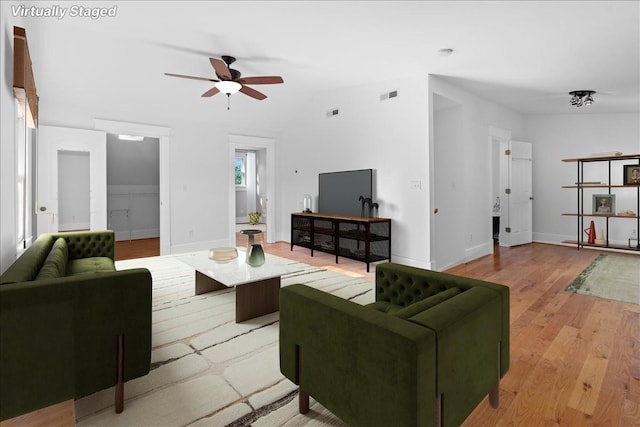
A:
(70, 323)
(426, 353)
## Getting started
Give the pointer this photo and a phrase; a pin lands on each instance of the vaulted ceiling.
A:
(526, 55)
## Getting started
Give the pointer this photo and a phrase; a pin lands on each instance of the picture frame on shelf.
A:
(631, 175)
(604, 204)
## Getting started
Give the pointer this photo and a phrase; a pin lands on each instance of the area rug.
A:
(614, 277)
(208, 370)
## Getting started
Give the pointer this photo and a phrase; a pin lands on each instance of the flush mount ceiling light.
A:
(581, 97)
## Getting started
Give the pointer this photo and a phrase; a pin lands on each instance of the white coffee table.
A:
(257, 288)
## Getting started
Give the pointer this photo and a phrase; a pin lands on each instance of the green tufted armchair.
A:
(70, 323)
(426, 353)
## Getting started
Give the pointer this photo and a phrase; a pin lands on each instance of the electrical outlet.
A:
(415, 185)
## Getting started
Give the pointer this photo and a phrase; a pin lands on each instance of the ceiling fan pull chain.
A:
(228, 101)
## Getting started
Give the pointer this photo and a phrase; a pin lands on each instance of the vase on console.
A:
(591, 233)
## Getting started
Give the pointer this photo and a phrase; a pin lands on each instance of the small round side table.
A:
(250, 235)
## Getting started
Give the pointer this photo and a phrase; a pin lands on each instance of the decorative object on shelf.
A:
(254, 217)
(306, 203)
(591, 233)
(255, 255)
(628, 213)
(604, 204)
(581, 97)
(223, 255)
(631, 175)
(372, 211)
(601, 239)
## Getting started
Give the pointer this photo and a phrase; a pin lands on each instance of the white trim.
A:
(164, 136)
(252, 142)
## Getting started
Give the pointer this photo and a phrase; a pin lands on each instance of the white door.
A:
(516, 219)
(52, 140)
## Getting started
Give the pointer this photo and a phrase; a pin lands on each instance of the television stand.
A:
(359, 238)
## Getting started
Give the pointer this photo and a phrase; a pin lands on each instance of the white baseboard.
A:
(74, 226)
(137, 234)
(478, 251)
(198, 246)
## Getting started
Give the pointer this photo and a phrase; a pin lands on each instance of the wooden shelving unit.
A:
(360, 238)
(580, 214)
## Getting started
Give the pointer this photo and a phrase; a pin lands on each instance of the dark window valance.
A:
(24, 85)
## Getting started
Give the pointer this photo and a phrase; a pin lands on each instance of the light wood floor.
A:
(575, 360)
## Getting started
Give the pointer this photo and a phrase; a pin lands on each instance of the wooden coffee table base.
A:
(253, 299)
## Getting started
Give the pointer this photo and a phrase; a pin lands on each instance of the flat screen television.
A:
(339, 192)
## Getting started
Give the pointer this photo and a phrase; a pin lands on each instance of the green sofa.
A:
(426, 353)
(70, 324)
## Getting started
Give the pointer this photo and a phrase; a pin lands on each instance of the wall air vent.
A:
(389, 95)
(333, 112)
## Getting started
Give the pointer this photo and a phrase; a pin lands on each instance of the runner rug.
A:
(614, 277)
(206, 369)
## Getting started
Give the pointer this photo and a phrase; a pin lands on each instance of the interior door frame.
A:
(501, 137)
(164, 137)
(244, 142)
(51, 140)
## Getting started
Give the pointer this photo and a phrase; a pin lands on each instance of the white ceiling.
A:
(524, 55)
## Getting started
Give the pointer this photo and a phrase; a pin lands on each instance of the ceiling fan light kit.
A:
(227, 86)
(581, 97)
(230, 81)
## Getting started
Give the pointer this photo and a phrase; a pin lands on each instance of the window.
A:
(240, 166)
(24, 204)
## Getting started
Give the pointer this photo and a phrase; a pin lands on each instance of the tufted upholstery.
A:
(85, 244)
(403, 288)
(429, 338)
(62, 306)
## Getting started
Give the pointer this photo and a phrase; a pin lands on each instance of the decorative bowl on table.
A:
(223, 255)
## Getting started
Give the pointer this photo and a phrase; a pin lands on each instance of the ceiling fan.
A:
(230, 81)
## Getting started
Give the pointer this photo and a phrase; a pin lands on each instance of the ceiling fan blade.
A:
(214, 90)
(221, 68)
(262, 80)
(252, 93)
(191, 77)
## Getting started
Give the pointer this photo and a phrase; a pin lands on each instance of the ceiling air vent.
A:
(389, 95)
(333, 112)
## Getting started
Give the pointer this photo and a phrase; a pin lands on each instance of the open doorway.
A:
(260, 178)
(511, 189)
(133, 195)
(163, 134)
(251, 197)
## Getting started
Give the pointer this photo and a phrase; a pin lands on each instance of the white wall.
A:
(558, 137)
(388, 136)
(8, 238)
(460, 138)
